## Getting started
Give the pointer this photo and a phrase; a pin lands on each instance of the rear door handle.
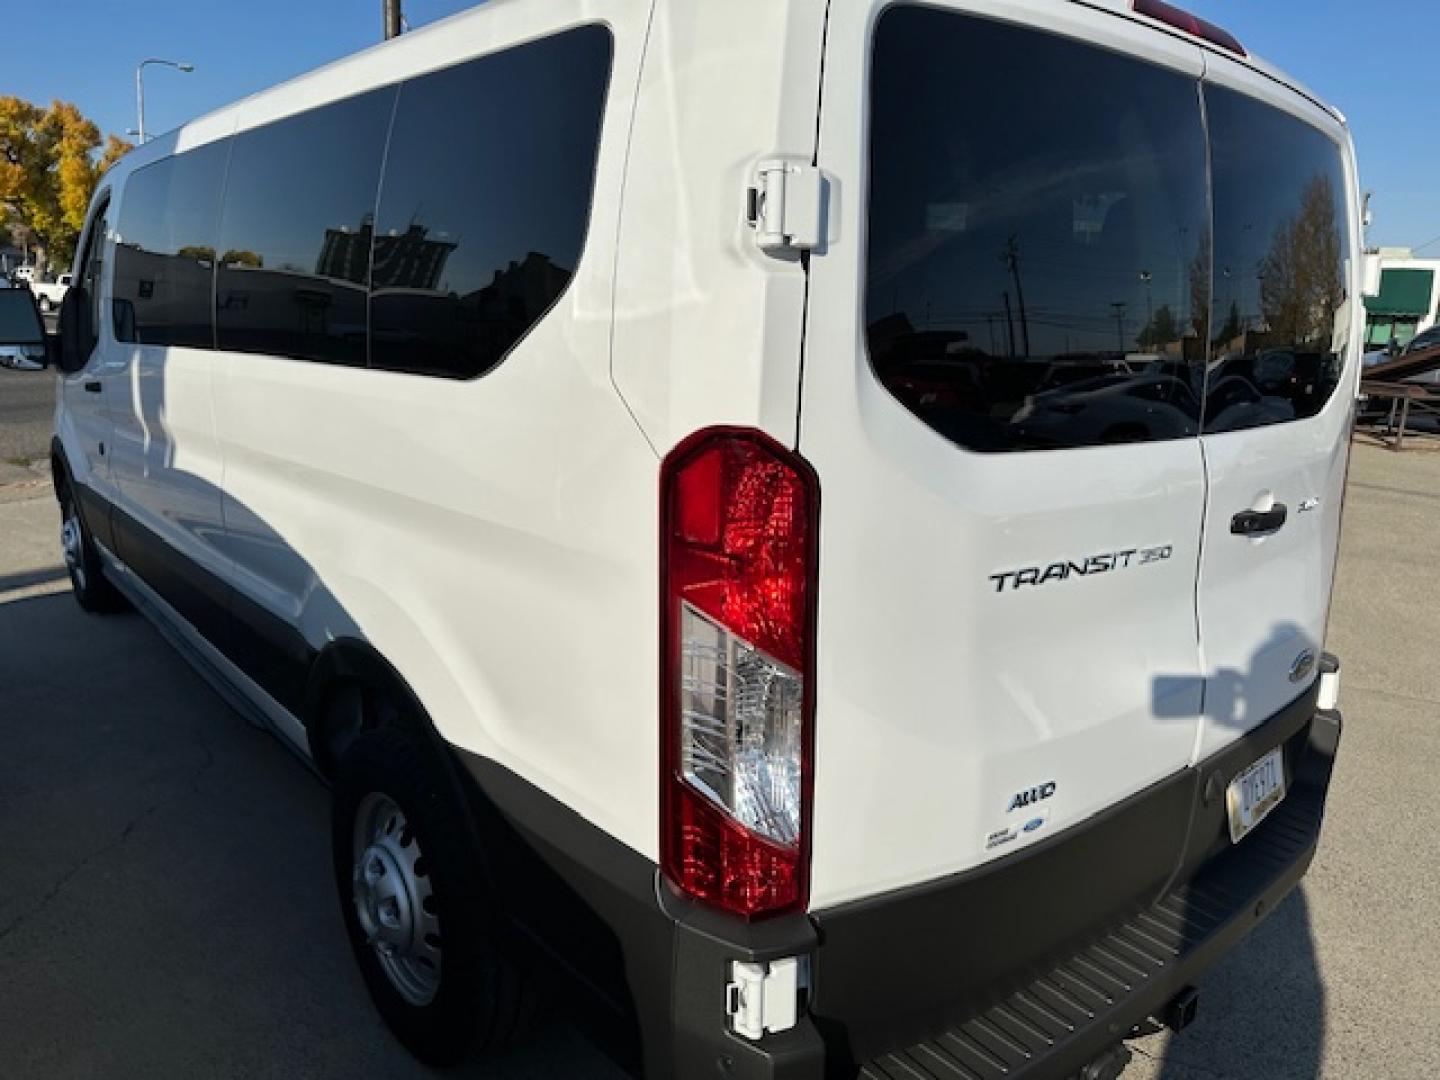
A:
(93, 386)
(1251, 522)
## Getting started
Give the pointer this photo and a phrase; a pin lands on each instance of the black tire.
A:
(93, 590)
(482, 1001)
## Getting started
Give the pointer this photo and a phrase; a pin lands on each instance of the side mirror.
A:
(22, 329)
(76, 336)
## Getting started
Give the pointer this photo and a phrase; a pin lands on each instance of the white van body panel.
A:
(1263, 601)
(707, 327)
(938, 698)
(499, 571)
(328, 474)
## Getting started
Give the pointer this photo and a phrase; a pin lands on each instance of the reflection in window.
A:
(165, 254)
(1039, 260)
(1280, 254)
(295, 232)
(485, 202)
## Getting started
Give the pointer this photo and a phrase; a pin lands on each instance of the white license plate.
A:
(1255, 792)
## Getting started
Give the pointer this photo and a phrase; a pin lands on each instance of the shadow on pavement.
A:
(167, 908)
(48, 576)
(1262, 1008)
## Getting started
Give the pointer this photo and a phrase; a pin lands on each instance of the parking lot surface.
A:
(167, 910)
(27, 416)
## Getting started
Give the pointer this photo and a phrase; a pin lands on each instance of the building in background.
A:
(1406, 296)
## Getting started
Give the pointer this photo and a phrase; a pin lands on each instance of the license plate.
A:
(1255, 792)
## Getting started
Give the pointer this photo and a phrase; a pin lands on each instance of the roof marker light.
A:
(1171, 15)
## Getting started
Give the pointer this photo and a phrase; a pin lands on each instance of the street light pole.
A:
(178, 65)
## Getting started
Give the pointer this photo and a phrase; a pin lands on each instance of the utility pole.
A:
(1119, 306)
(391, 10)
(1011, 258)
(1149, 330)
(1009, 322)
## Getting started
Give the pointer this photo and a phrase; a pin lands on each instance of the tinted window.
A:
(295, 232)
(1038, 262)
(92, 271)
(165, 254)
(485, 202)
(1280, 251)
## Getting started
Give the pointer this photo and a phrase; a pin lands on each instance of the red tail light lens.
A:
(738, 536)
(1170, 15)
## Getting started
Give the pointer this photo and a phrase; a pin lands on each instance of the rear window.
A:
(1281, 248)
(1039, 253)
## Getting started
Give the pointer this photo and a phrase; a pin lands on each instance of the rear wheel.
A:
(88, 582)
(416, 904)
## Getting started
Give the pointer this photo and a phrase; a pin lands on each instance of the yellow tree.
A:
(50, 162)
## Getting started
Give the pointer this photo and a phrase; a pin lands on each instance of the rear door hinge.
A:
(760, 998)
(785, 205)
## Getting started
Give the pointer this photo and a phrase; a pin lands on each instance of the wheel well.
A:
(353, 688)
(59, 468)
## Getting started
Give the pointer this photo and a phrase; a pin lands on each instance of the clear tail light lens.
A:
(738, 518)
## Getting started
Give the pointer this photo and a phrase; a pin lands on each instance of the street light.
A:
(140, 89)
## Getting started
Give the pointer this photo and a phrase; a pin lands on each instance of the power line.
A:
(1427, 243)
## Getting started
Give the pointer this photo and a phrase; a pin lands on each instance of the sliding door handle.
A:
(1254, 522)
(92, 386)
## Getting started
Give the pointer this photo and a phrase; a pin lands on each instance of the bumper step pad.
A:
(1071, 1012)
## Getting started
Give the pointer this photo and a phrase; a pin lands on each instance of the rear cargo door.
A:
(1279, 394)
(1003, 373)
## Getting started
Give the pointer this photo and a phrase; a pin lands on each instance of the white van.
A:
(810, 522)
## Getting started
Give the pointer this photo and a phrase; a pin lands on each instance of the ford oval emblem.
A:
(1303, 665)
(1034, 823)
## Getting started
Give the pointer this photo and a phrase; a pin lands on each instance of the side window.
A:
(92, 274)
(165, 251)
(295, 232)
(485, 202)
(1280, 253)
(1034, 253)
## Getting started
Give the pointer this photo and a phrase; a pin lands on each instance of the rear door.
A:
(1279, 396)
(1003, 377)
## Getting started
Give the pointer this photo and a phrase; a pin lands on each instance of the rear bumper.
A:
(1028, 967)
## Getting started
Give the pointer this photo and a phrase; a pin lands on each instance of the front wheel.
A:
(416, 905)
(92, 589)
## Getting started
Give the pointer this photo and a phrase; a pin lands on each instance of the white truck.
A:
(48, 294)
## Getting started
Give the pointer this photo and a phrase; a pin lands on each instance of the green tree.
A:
(1161, 330)
(1231, 329)
(1300, 285)
(50, 161)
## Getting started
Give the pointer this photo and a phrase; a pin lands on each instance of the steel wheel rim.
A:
(394, 899)
(72, 543)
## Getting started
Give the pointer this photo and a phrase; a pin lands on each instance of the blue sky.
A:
(1337, 47)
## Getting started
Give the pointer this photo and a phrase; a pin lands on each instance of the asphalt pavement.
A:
(27, 417)
(167, 909)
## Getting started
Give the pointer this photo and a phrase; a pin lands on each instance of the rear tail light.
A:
(1170, 15)
(738, 542)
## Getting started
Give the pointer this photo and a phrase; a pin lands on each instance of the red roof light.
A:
(1170, 15)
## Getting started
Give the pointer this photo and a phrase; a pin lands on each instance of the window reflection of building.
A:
(408, 260)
